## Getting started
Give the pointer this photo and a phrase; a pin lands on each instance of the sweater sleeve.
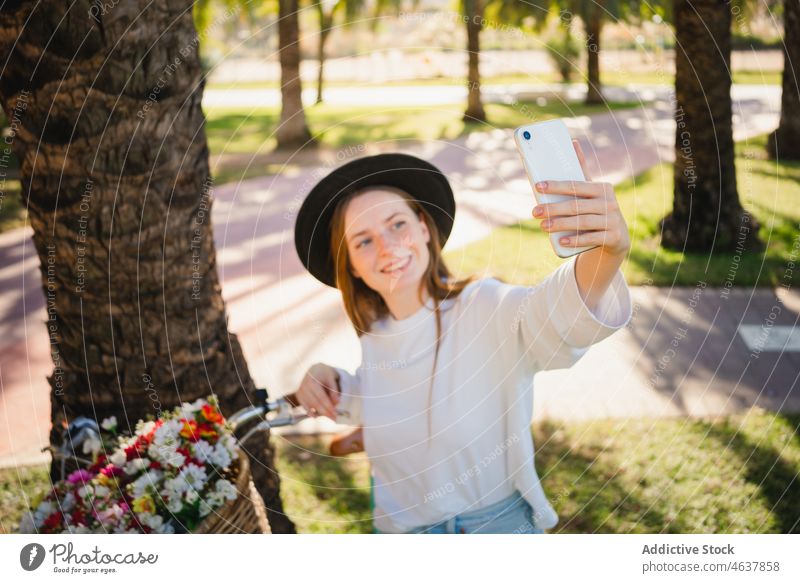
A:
(348, 411)
(549, 324)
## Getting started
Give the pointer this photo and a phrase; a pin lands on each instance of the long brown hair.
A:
(363, 305)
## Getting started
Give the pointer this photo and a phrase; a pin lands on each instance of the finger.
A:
(574, 188)
(566, 208)
(577, 223)
(319, 401)
(581, 159)
(326, 389)
(587, 239)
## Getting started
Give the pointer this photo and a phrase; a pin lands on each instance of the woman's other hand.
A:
(319, 391)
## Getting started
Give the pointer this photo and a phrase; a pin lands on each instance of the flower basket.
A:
(181, 473)
(243, 515)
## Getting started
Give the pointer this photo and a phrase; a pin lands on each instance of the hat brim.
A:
(423, 181)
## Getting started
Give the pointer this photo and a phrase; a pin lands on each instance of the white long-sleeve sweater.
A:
(495, 337)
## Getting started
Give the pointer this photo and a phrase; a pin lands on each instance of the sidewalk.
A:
(286, 320)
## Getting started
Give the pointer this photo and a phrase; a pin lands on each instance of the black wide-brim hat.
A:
(422, 180)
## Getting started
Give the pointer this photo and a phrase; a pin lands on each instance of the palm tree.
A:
(473, 13)
(116, 176)
(328, 11)
(293, 131)
(784, 142)
(707, 215)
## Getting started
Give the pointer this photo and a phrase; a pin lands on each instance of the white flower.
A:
(166, 454)
(165, 528)
(154, 521)
(191, 496)
(167, 434)
(101, 491)
(205, 508)
(226, 489)
(68, 503)
(174, 504)
(85, 491)
(202, 450)
(221, 457)
(144, 427)
(109, 423)
(92, 445)
(189, 410)
(150, 478)
(189, 478)
(136, 465)
(118, 458)
(45, 509)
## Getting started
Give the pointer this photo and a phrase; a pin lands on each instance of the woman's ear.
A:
(425, 232)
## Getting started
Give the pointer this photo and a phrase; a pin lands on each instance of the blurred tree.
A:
(114, 170)
(328, 11)
(707, 215)
(472, 11)
(292, 130)
(592, 13)
(784, 142)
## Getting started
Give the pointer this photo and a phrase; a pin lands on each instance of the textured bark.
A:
(114, 165)
(474, 12)
(707, 215)
(784, 143)
(594, 26)
(292, 132)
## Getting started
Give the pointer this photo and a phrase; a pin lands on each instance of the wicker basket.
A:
(243, 515)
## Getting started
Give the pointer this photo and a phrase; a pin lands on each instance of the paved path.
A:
(286, 320)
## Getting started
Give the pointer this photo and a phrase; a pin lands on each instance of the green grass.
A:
(236, 131)
(737, 474)
(12, 209)
(607, 77)
(18, 486)
(521, 253)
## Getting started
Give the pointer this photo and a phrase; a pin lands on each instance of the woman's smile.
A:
(398, 267)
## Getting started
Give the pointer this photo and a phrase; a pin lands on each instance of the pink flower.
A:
(80, 475)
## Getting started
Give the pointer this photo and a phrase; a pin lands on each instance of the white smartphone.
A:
(548, 154)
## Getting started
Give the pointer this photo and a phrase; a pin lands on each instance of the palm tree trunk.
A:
(292, 132)
(784, 143)
(325, 22)
(114, 165)
(594, 27)
(707, 215)
(473, 9)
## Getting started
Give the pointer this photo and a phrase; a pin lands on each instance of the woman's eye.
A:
(398, 224)
(360, 243)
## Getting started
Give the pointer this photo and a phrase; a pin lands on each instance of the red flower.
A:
(189, 430)
(111, 470)
(212, 414)
(53, 520)
(207, 431)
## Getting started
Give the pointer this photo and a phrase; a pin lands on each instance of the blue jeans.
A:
(511, 515)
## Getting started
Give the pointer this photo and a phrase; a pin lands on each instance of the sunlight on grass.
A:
(678, 475)
(251, 132)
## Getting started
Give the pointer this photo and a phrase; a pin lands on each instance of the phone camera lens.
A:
(526, 135)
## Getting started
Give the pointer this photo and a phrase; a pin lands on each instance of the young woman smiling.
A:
(444, 392)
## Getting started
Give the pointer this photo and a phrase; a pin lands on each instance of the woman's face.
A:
(386, 241)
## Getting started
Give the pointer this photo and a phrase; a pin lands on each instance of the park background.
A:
(655, 430)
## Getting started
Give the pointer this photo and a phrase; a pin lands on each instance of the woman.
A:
(444, 391)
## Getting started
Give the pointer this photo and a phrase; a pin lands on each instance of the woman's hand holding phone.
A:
(594, 210)
(319, 391)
